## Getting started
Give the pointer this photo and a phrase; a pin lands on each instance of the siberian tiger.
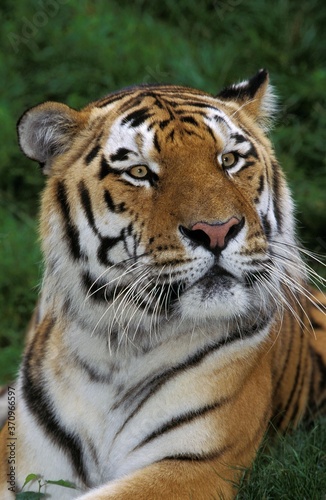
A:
(174, 320)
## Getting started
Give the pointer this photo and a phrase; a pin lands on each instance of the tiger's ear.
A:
(47, 130)
(255, 96)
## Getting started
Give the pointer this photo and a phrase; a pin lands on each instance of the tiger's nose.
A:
(214, 236)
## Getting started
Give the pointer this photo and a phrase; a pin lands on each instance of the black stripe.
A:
(95, 289)
(277, 196)
(315, 324)
(220, 119)
(93, 375)
(211, 133)
(163, 297)
(261, 185)
(172, 104)
(186, 418)
(156, 143)
(157, 101)
(170, 293)
(191, 132)
(42, 407)
(189, 119)
(120, 155)
(247, 165)
(117, 209)
(105, 169)
(171, 136)
(92, 154)
(252, 277)
(239, 138)
(246, 89)
(31, 351)
(116, 96)
(266, 226)
(87, 206)
(180, 111)
(202, 105)
(199, 457)
(164, 123)
(98, 290)
(137, 117)
(106, 244)
(71, 230)
(133, 102)
(143, 390)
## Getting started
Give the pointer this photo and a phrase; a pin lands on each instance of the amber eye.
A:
(229, 160)
(138, 172)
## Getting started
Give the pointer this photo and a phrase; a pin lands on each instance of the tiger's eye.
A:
(228, 160)
(139, 171)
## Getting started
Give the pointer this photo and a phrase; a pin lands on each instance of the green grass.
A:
(19, 278)
(294, 468)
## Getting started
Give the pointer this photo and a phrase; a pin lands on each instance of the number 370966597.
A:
(11, 410)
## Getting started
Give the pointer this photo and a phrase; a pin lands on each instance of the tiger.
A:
(175, 323)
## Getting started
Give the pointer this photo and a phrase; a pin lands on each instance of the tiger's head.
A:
(165, 208)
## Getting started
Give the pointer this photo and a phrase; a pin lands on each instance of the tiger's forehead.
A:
(138, 122)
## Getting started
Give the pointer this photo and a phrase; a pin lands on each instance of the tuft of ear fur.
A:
(47, 130)
(255, 96)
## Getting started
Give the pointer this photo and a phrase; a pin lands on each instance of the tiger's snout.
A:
(214, 237)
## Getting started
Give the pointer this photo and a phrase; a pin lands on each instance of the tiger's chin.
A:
(219, 297)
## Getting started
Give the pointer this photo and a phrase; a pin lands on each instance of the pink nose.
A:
(219, 234)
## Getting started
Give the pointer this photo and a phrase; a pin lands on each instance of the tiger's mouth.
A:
(214, 283)
(168, 294)
(216, 277)
(220, 294)
(218, 280)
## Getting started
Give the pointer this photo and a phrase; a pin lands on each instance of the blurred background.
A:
(77, 51)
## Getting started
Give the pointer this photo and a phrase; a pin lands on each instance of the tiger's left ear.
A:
(256, 98)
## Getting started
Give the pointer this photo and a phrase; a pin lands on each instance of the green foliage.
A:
(19, 268)
(37, 495)
(293, 469)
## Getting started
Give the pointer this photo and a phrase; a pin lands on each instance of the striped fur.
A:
(174, 320)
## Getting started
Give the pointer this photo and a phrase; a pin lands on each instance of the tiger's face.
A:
(162, 208)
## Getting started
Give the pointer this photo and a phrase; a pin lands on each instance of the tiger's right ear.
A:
(255, 97)
(47, 130)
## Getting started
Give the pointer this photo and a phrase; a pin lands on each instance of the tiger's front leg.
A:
(172, 479)
(234, 429)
